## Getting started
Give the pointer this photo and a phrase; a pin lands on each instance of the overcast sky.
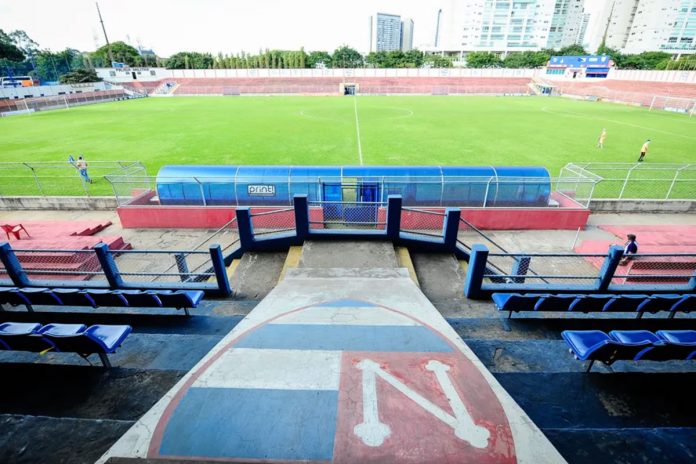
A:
(228, 26)
(169, 26)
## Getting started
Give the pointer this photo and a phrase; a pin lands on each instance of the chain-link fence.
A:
(27, 105)
(58, 179)
(423, 221)
(656, 269)
(347, 215)
(548, 268)
(273, 221)
(164, 266)
(658, 181)
(667, 103)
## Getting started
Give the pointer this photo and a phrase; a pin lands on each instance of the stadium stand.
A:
(61, 246)
(630, 345)
(608, 303)
(96, 298)
(64, 338)
(637, 92)
(367, 85)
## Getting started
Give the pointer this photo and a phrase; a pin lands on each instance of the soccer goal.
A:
(675, 104)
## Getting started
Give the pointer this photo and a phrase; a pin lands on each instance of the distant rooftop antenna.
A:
(437, 27)
(108, 45)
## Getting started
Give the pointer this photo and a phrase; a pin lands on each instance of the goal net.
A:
(675, 104)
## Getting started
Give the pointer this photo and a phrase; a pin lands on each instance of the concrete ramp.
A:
(345, 366)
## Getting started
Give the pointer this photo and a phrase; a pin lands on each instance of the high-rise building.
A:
(406, 34)
(385, 33)
(566, 25)
(510, 25)
(682, 37)
(636, 26)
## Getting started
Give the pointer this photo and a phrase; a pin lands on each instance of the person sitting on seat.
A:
(630, 248)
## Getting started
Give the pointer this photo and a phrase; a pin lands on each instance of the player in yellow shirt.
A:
(644, 150)
(602, 138)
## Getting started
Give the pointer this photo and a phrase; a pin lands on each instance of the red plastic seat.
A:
(14, 230)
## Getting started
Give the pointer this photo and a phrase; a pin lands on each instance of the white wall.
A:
(50, 90)
(685, 77)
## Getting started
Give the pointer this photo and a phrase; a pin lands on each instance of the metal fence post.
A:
(520, 268)
(113, 275)
(394, 216)
(301, 216)
(220, 271)
(611, 262)
(474, 274)
(244, 227)
(182, 266)
(13, 266)
(450, 228)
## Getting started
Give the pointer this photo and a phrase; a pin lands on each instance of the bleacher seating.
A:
(367, 85)
(64, 338)
(639, 304)
(631, 345)
(639, 92)
(96, 298)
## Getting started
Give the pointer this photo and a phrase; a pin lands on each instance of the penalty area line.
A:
(357, 128)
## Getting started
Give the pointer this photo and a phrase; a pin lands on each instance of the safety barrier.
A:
(579, 273)
(116, 269)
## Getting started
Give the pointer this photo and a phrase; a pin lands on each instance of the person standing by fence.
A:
(81, 166)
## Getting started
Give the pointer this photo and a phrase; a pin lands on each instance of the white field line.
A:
(357, 128)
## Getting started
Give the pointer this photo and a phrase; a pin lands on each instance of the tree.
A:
(79, 76)
(346, 57)
(483, 60)
(571, 50)
(645, 60)
(438, 61)
(612, 53)
(190, 60)
(527, 60)
(317, 57)
(122, 53)
(8, 50)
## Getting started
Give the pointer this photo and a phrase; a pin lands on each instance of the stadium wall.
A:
(50, 90)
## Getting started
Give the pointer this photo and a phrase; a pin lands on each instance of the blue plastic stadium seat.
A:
(181, 299)
(591, 303)
(555, 302)
(682, 342)
(74, 297)
(22, 336)
(515, 302)
(12, 296)
(657, 303)
(685, 305)
(40, 296)
(625, 303)
(136, 298)
(641, 337)
(99, 339)
(107, 297)
(594, 345)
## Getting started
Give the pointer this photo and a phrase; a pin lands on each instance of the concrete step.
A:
(353, 255)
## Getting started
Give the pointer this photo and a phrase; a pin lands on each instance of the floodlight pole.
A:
(108, 45)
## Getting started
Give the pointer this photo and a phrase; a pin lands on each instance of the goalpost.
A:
(675, 104)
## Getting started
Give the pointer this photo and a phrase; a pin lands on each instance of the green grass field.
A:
(341, 130)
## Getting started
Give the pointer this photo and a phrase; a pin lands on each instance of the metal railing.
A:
(101, 267)
(580, 273)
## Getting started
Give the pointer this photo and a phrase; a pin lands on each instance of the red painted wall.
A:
(206, 217)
